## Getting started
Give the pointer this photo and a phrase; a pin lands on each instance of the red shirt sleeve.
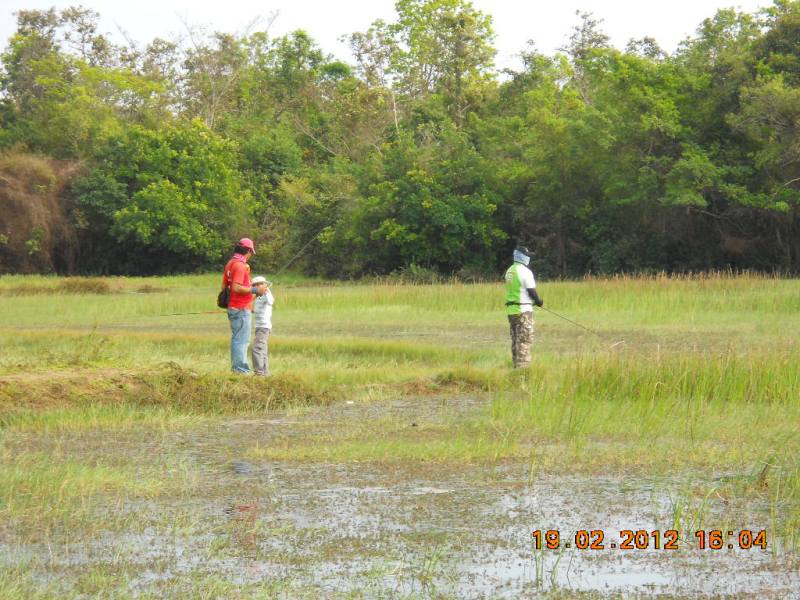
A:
(240, 274)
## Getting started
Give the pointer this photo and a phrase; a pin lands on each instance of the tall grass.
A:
(689, 410)
(666, 395)
(610, 301)
(347, 326)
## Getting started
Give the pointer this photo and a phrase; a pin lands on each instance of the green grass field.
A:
(691, 384)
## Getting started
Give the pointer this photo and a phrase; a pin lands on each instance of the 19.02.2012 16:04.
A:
(642, 539)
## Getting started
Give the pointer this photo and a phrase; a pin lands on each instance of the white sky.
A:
(547, 22)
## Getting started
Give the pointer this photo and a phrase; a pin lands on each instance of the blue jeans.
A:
(240, 339)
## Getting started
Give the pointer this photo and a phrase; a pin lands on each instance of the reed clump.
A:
(186, 391)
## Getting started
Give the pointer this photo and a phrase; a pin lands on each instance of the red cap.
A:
(247, 243)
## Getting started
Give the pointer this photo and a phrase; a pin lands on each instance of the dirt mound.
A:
(36, 231)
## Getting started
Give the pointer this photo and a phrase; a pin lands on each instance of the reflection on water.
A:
(384, 529)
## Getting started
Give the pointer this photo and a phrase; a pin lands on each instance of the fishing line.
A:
(299, 252)
(202, 312)
(281, 270)
(552, 312)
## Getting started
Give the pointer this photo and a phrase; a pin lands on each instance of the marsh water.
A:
(369, 529)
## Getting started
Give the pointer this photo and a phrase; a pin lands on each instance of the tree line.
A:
(417, 155)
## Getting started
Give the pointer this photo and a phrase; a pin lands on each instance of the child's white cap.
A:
(257, 280)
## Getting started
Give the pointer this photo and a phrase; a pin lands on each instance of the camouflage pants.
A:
(521, 338)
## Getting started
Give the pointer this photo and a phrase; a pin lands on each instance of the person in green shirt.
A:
(520, 297)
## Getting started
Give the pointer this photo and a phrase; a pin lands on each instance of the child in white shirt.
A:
(262, 315)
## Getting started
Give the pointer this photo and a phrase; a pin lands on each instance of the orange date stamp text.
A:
(643, 539)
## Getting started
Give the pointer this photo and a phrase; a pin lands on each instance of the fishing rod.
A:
(299, 252)
(552, 312)
(281, 270)
(202, 312)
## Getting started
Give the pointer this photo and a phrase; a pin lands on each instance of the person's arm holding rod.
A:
(243, 289)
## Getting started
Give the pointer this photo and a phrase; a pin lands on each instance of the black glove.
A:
(535, 297)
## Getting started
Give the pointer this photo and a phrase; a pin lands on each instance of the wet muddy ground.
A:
(363, 529)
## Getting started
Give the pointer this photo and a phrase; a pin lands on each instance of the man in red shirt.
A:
(236, 276)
